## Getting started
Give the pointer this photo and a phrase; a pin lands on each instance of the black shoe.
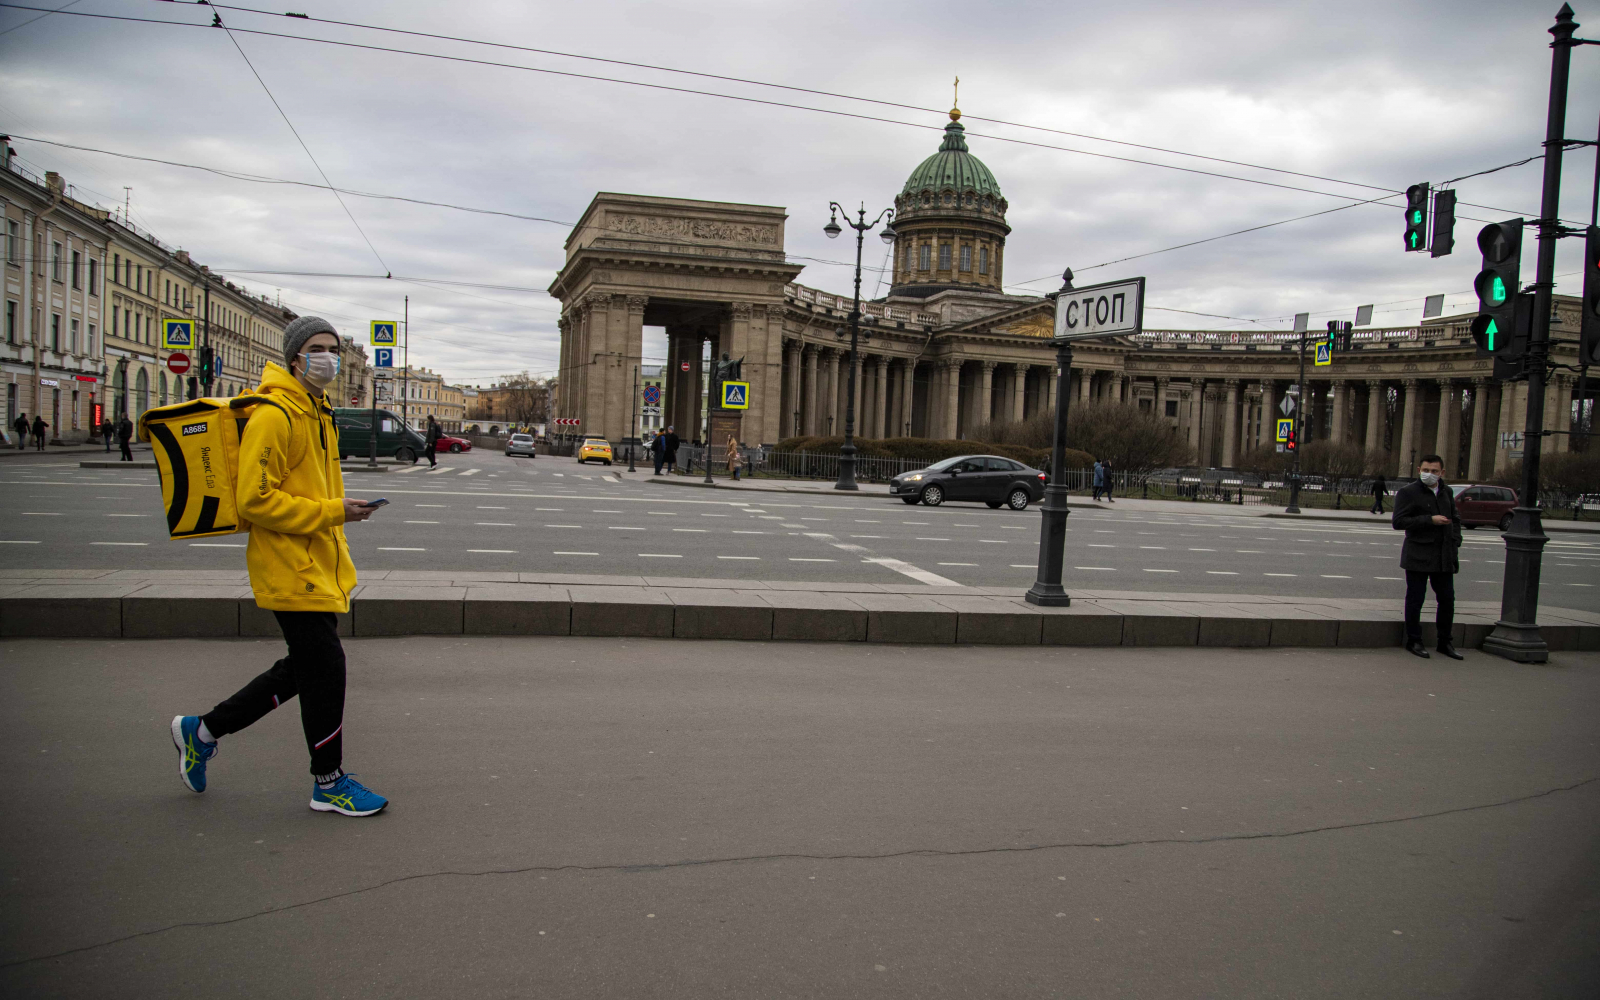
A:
(1415, 648)
(1446, 649)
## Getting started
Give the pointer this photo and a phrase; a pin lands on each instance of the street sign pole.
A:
(633, 432)
(1516, 635)
(1294, 473)
(405, 376)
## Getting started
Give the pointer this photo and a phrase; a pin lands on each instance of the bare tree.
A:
(1134, 440)
(523, 398)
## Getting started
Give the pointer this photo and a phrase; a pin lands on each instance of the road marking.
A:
(41, 513)
(993, 541)
(1160, 571)
(215, 545)
(1248, 552)
(481, 507)
(500, 552)
(494, 524)
(16, 541)
(127, 515)
(614, 527)
(1220, 572)
(119, 543)
(1093, 545)
(383, 548)
(862, 520)
(1396, 578)
(1162, 548)
(697, 530)
(798, 559)
(441, 470)
(756, 558)
(958, 564)
(1280, 574)
(1023, 566)
(430, 505)
(702, 515)
(738, 532)
(420, 522)
(1580, 584)
(563, 526)
(574, 553)
(1202, 550)
(1100, 569)
(917, 522)
(1332, 576)
(561, 509)
(866, 536)
(470, 472)
(658, 555)
(933, 539)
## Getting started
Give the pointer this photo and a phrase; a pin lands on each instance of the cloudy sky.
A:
(1385, 94)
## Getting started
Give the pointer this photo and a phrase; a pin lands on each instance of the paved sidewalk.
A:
(615, 818)
(76, 450)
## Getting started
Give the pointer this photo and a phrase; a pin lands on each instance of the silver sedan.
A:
(520, 444)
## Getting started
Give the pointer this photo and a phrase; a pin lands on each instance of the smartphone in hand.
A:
(375, 504)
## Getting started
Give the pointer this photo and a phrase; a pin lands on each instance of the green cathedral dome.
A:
(953, 168)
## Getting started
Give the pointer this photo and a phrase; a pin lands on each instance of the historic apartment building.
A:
(426, 394)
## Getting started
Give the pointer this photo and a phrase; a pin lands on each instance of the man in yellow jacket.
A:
(292, 492)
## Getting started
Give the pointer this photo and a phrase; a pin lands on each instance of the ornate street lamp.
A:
(847, 452)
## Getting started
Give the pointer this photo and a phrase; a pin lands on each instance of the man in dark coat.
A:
(658, 451)
(108, 430)
(1379, 491)
(124, 436)
(21, 426)
(671, 446)
(1426, 511)
(39, 427)
(432, 441)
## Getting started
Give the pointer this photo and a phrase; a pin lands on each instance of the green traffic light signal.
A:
(1490, 332)
(1497, 291)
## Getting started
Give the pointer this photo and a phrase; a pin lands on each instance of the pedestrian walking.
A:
(21, 425)
(1426, 511)
(125, 437)
(1379, 491)
(108, 430)
(658, 452)
(671, 446)
(300, 570)
(38, 431)
(433, 441)
(1099, 474)
(734, 459)
(1105, 467)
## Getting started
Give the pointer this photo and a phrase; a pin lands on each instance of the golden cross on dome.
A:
(955, 104)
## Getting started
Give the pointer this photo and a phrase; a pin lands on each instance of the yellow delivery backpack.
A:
(196, 445)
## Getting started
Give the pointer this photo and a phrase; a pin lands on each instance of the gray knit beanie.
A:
(298, 332)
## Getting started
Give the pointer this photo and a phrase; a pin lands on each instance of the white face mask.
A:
(320, 368)
(1430, 479)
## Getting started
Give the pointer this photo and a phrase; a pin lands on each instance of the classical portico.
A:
(712, 273)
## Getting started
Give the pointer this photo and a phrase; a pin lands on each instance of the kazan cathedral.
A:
(948, 352)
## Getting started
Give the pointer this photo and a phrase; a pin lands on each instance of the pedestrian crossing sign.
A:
(1324, 354)
(736, 395)
(177, 334)
(383, 333)
(1285, 429)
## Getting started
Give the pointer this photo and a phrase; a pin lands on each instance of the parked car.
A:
(451, 443)
(394, 437)
(1480, 504)
(989, 479)
(595, 449)
(520, 444)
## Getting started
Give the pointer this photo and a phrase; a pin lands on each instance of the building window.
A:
(77, 269)
(89, 347)
(944, 256)
(983, 260)
(55, 332)
(72, 345)
(116, 268)
(94, 276)
(11, 322)
(966, 258)
(923, 253)
(166, 293)
(13, 252)
(55, 261)
(908, 256)
(1172, 407)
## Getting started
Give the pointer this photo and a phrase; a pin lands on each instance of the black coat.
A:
(1379, 489)
(125, 430)
(1429, 547)
(672, 443)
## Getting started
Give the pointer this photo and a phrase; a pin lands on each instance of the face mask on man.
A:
(1430, 479)
(320, 368)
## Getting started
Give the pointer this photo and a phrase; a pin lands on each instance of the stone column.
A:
(908, 397)
(1050, 389)
(1555, 417)
(1444, 437)
(1513, 417)
(1019, 390)
(952, 397)
(1160, 403)
(1404, 464)
(1085, 383)
(1267, 432)
(985, 394)
(1376, 415)
(830, 421)
(1196, 412)
(1475, 430)
(1230, 424)
(791, 387)
(880, 394)
(1338, 431)
(808, 399)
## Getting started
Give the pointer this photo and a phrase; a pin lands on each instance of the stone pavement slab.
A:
(602, 818)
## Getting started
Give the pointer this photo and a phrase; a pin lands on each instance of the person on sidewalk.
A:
(433, 442)
(658, 452)
(125, 438)
(1105, 468)
(734, 458)
(39, 427)
(108, 430)
(21, 426)
(1426, 511)
(1099, 478)
(300, 570)
(671, 447)
(1379, 491)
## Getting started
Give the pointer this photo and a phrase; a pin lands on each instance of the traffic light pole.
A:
(1299, 408)
(1516, 635)
(1047, 590)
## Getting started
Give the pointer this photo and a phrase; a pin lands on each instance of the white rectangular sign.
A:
(1112, 309)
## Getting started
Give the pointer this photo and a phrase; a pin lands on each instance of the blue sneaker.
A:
(193, 752)
(348, 797)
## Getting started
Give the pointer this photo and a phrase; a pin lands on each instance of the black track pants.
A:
(1444, 591)
(314, 669)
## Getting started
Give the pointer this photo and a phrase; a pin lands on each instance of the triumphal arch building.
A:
(947, 352)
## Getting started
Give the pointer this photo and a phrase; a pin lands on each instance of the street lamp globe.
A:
(832, 228)
(888, 235)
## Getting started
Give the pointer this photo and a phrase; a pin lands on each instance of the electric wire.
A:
(41, 17)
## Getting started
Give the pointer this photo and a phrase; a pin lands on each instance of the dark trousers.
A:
(108, 444)
(127, 456)
(1444, 591)
(429, 454)
(38, 441)
(661, 459)
(1377, 504)
(314, 669)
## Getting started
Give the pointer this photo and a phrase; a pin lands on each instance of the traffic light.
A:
(1444, 224)
(1290, 444)
(194, 387)
(208, 360)
(1589, 323)
(1417, 217)
(1497, 286)
(1340, 334)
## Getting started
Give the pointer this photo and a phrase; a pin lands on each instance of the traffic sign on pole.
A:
(177, 334)
(1285, 430)
(1286, 406)
(178, 363)
(383, 357)
(1324, 354)
(384, 333)
(1112, 309)
(735, 395)
(652, 395)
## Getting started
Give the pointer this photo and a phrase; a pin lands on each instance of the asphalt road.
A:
(483, 511)
(606, 818)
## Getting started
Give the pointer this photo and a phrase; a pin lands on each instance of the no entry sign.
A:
(179, 363)
(683, 366)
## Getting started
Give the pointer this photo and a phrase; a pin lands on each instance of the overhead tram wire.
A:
(708, 93)
(217, 22)
(41, 17)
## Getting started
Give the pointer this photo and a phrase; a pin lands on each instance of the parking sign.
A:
(383, 357)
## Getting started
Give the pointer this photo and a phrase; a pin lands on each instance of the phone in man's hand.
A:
(376, 503)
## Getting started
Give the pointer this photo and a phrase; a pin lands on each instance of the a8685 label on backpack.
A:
(199, 428)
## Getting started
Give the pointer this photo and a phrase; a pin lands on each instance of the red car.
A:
(454, 445)
(1480, 504)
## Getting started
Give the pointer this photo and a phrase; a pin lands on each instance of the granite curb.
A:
(137, 604)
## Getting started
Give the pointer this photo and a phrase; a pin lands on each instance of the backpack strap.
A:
(240, 402)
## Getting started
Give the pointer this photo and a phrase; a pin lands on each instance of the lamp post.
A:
(847, 451)
(1047, 590)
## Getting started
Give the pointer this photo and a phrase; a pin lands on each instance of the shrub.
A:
(930, 450)
(1134, 440)
(1564, 473)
